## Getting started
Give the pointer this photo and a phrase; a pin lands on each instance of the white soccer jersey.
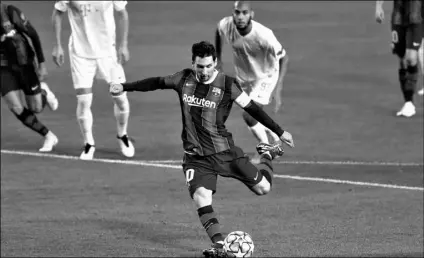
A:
(93, 26)
(257, 54)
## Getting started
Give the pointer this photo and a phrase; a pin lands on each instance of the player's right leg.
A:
(10, 90)
(201, 181)
(112, 71)
(83, 71)
(399, 41)
(413, 40)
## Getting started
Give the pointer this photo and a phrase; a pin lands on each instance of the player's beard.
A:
(204, 77)
(248, 23)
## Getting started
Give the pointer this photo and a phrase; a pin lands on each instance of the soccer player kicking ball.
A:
(260, 62)
(92, 52)
(206, 97)
(406, 41)
(22, 69)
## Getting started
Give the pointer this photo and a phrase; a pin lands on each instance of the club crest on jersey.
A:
(216, 91)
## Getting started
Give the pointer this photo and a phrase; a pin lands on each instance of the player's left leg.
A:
(10, 90)
(112, 71)
(201, 180)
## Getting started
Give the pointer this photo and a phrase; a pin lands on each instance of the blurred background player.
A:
(206, 97)
(421, 52)
(92, 52)
(260, 62)
(406, 29)
(22, 68)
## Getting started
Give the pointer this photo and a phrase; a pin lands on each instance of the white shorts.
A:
(261, 90)
(84, 70)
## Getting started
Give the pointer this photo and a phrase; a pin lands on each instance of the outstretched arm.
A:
(149, 84)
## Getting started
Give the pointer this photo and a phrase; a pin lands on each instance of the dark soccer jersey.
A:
(406, 12)
(204, 108)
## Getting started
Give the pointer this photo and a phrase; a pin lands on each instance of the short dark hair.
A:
(203, 49)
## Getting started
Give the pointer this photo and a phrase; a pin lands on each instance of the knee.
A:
(202, 197)
(17, 109)
(262, 188)
(250, 121)
(121, 102)
(84, 103)
(35, 107)
(411, 58)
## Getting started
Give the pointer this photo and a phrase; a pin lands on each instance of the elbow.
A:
(56, 17)
(122, 15)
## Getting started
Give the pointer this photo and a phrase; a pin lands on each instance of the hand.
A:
(58, 55)
(379, 15)
(287, 138)
(123, 55)
(42, 72)
(116, 88)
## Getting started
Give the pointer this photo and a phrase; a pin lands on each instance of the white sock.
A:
(85, 117)
(259, 131)
(121, 109)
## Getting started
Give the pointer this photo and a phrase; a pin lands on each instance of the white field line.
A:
(163, 165)
(313, 162)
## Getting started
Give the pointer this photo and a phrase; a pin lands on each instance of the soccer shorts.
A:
(203, 171)
(23, 78)
(84, 70)
(261, 90)
(406, 37)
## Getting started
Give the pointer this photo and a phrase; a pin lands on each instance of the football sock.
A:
(85, 117)
(402, 81)
(43, 98)
(259, 131)
(28, 118)
(265, 167)
(411, 82)
(210, 223)
(121, 109)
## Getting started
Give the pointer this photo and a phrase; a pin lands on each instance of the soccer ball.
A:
(238, 244)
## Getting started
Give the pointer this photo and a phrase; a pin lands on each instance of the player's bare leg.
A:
(121, 110)
(29, 119)
(408, 76)
(85, 121)
(420, 59)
